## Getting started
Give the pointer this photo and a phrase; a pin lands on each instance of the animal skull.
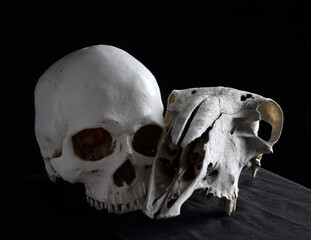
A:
(99, 116)
(211, 136)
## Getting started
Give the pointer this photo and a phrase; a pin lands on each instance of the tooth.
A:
(247, 165)
(255, 161)
(132, 206)
(119, 208)
(234, 206)
(55, 173)
(137, 205)
(258, 158)
(105, 205)
(255, 170)
(98, 205)
(227, 205)
(110, 208)
(92, 202)
(88, 199)
(128, 206)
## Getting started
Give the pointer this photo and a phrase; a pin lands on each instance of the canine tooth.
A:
(88, 199)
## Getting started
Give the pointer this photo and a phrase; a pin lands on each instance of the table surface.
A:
(268, 207)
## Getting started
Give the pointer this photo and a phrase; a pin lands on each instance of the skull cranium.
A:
(99, 117)
(211, 136)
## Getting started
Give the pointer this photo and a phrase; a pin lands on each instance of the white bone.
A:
(97, 87)
(214, 135)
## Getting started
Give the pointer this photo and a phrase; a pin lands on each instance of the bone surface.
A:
(99, 117)
(212, 134)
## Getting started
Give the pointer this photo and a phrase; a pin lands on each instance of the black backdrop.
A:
(258, 46)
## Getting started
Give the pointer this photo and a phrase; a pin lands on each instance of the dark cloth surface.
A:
(268, 207)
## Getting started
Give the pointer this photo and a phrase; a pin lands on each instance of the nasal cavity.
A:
(125, 174)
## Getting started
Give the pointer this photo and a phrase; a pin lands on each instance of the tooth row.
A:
(224, 204)
(115, 208)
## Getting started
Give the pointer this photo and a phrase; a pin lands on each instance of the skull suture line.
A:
(211, 136)
(99, 117)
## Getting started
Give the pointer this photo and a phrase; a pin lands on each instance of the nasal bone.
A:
(127, 147)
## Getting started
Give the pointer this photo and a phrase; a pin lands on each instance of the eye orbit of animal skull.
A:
(211, 136)
(99, 116)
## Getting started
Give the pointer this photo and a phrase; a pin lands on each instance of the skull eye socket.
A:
(264, 131)
(146, 140)
(92, 144)
(272, 114)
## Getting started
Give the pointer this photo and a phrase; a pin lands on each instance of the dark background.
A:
(257, 46)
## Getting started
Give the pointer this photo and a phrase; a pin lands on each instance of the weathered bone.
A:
(211, 136)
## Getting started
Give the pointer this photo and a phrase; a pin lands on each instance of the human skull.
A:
(99, 116)
(211, 136)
